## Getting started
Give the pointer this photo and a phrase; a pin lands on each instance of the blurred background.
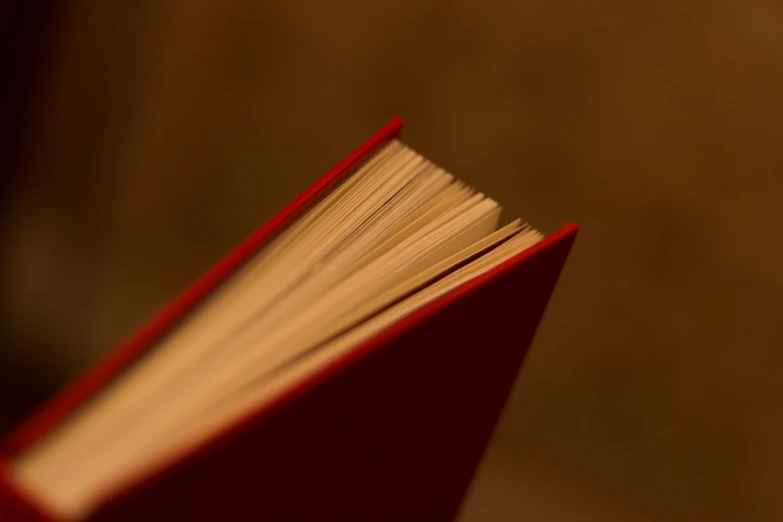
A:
(141, 140)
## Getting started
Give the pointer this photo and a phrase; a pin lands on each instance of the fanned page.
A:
(397, 234)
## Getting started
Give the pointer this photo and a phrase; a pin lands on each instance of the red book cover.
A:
(392, 430)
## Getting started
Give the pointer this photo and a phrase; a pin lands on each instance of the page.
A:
(395, 235)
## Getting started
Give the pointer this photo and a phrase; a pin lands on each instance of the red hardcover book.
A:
(391, 430)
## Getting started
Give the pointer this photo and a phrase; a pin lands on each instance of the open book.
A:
(394, 235)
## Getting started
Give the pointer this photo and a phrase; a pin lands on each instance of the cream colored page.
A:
(232, 351)
(409, 237)
(80, 499)
(250, 361)
(169, 355)
(151, 382)
(120, 406)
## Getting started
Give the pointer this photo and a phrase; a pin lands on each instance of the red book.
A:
(391, 429)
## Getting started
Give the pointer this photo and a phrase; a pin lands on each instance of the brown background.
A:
(159, 133)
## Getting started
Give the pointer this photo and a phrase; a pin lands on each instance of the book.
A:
(348, 361)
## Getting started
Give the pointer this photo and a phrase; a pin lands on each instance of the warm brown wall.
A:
(168, 130)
